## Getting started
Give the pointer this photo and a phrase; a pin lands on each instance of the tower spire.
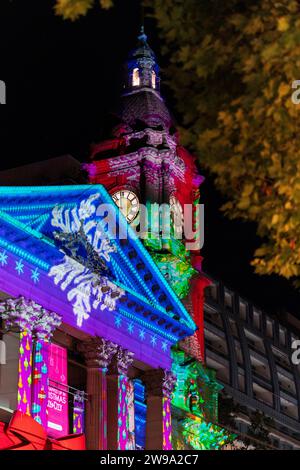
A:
(143, 36)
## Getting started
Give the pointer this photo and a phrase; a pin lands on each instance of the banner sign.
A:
(58, 414)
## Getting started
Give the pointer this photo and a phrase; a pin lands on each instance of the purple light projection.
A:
(25, 369)
(167, 424)
(78, 414)
(40, 382)
(123, 436)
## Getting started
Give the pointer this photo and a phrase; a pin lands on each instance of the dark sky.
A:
(62, 78)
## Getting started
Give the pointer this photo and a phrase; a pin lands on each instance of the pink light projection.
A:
(131, 416)
(40, 382)
(167, 424)
(57, 406)
(25, 369)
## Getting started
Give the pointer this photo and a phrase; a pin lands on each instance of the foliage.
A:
(73, 9)
(232, 65)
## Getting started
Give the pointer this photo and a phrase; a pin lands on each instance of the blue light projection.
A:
(32, 215)
(140, 414)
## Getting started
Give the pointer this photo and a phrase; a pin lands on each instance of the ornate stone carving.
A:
(98, 352)
(46, 323)
(169, 382)
(159, 382)
(28, 315)
(121, 362)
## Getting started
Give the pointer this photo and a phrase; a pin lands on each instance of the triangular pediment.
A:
(41, 214)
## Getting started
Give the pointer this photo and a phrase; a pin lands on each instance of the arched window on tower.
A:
(135, 77)
(153, 79)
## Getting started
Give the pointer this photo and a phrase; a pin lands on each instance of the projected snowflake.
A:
(83, 272)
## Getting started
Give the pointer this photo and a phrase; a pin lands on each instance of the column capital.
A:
(159, 382)
(121, 362)
(46, 323)
(28, 315)
(98, 352)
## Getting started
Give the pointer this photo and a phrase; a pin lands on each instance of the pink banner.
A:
(58, 417)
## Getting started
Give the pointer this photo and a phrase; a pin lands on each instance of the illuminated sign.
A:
(58, 418)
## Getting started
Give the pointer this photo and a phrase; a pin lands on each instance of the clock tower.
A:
(143, 164)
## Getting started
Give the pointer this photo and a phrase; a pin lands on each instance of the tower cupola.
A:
(142, 70)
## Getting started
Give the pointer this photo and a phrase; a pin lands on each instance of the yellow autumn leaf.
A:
(288, 205)
(283, 89)
(283, 24)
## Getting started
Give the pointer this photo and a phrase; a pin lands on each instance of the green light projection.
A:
(195, 401)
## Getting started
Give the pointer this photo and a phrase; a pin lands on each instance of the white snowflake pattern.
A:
(3, 258)
(85, 289)
(35, 275)
(19, 267)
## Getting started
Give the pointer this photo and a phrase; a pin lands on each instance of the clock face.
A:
(176, 213)
(128, 203)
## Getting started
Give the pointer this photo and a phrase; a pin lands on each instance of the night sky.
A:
(63, 78)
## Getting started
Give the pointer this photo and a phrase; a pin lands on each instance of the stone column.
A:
(98, 354)
(159, 387)
(44, 327)
(21, 313)
(117, 401)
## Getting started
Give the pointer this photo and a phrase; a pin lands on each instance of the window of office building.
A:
(288, 408)
(216, 343)
(282, 336)
(256, 319)
(239, 354)
(228, 299)
(281, 358)
(262, 394)
(260, 367)
(243, 310)
(287, 384)
(212, 292)
(233, 328)
(220, 365)
(241, 382)
(269, 328)
(255, 342)
(213, 316)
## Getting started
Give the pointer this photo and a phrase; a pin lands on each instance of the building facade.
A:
(102, 339)
(251, 353)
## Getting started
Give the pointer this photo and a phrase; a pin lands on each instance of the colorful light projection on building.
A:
(40, 382)
(123, 436)
(25, 365)
(78, 413)
(57, 406)
(175, 263)
(200, 435)
(140, 415)
(196, 394)
(167, 424)
(196, 387)
(131, 418)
